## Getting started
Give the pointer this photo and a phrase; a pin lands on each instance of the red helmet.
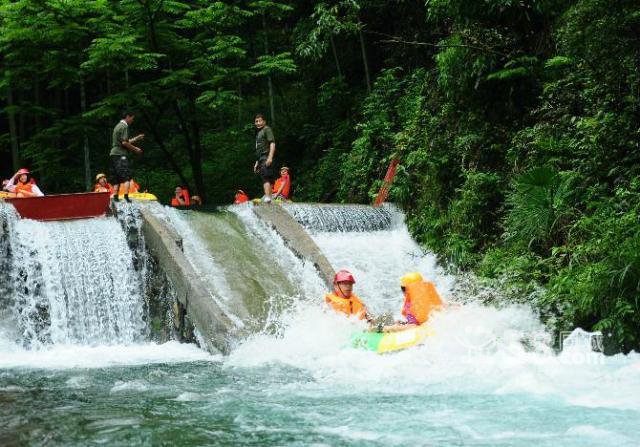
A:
(23, 171)
(344, 276)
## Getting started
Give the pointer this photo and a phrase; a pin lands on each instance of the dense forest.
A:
(516, 123)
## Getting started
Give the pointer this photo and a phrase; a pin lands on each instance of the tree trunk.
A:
(269, 81)
(85, 145)
(335, 55)
(196, 162)
(13, 131)
(169, 156)
(240, 121)
(365, 62)
(271, 105)
(36, 100)
(194, 148)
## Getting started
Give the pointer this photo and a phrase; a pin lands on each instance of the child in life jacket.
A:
(23, 185)
(181, 197)
(102, 185)
(240, 197)
(282, 187)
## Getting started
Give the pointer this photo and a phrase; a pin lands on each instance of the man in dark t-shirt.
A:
(265, 150)
(121, 147)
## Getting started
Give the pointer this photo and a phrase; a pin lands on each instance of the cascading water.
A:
(487, 378)
(343, 218)
(246, 267)
(375, 245)
(73, 282)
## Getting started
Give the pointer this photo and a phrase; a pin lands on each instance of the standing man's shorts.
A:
(266, 172)
(120, 169)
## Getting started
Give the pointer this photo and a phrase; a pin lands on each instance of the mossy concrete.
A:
(165, 245)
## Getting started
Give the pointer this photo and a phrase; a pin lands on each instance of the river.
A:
(488, 378)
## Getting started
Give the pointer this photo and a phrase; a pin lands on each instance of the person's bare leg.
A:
(267, 190)
(116, 190)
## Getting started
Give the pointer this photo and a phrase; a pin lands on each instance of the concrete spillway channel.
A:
(194, 300)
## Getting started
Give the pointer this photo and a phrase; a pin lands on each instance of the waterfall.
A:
(375, 244)
(343, 218)
(70, 282)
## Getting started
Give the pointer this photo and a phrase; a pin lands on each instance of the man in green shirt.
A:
(121, 146)
(265, 150)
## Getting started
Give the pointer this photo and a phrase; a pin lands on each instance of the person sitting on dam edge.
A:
(282, 187)
(240, 197)
(180, 197)
(102, 185)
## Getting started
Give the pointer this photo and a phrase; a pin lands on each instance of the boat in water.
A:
(382, 342)
(62, 206)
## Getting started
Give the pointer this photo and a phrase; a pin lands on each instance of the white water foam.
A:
(476, 350)
(80, 356)
(378, 260)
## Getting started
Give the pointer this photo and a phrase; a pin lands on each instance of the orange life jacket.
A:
(349, 306)
(97, 187)
(241, 198)
(420, 299)
(287, 186)
(187, 201)
(24, 187)
(133, 187)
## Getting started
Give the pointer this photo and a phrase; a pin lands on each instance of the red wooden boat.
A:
(62, 206)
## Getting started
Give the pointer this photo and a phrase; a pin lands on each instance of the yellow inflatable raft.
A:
(382, 342)
(141, 196)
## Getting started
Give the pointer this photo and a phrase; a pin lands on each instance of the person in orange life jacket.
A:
(23, 185)
(133, 187)
(102, 185)
(420, 299)
(343, 299)
(241, 197)
(181, 197)
(282, 186)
